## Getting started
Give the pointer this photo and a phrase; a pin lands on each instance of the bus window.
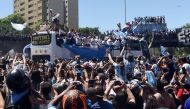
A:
(134, 45)
(59, 40)
(42, 39)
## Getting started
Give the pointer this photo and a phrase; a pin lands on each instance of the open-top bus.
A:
(45, 45)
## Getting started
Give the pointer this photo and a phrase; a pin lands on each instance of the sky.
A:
(105, 14)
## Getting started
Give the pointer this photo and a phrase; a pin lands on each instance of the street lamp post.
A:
(125, 11)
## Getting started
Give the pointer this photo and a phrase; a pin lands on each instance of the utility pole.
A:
(125, 11)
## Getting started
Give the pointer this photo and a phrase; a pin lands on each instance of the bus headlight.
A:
(45, 51)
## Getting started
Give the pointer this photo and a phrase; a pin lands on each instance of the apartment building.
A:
(34, 11)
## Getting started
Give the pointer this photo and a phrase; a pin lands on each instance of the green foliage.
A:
(38, 25)
(183, 51)
(87, 31)
(6, 28)
(186, 25)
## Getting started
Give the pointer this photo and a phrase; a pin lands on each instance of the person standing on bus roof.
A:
(54, 20)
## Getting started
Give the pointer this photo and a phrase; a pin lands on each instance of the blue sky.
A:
(106, 13)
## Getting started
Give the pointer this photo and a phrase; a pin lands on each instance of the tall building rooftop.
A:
(34, 11)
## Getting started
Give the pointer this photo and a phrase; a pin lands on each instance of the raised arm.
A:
(14, 60)
(159, 62)
(131, 97)
(2, 102)
(122, 51)
(105, 65)
(107, 91)
(24, 59)
(109, 56)
(52, 102)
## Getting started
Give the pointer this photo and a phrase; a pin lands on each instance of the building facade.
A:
(34, 11)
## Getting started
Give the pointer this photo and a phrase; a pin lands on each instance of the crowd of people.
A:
(166, 35)
(124, 83)
(115, 38)
(149, 20)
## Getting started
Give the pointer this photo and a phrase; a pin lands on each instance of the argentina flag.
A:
(163, 50)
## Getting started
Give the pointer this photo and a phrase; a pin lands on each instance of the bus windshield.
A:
(134, 45)
(43, 39)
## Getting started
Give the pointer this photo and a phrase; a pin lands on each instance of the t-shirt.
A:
(150, 78)
(129, 69)
(187, 67)
(118, 72)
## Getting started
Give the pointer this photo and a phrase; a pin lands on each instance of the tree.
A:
(6, 28)
(187, 25)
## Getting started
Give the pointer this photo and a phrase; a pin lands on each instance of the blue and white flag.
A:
(135, 28)
(163, 50)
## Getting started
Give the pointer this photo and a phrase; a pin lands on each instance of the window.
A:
(29, 0)
(43, 39)
(39, 8)
(30, 23)
(30, 5)
(22, 14)
(39, 14)
(31, 17)
(22, 9)
(22, 3)
(39, 1)
(30, 11)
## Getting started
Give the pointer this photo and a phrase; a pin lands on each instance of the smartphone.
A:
(117, 83)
